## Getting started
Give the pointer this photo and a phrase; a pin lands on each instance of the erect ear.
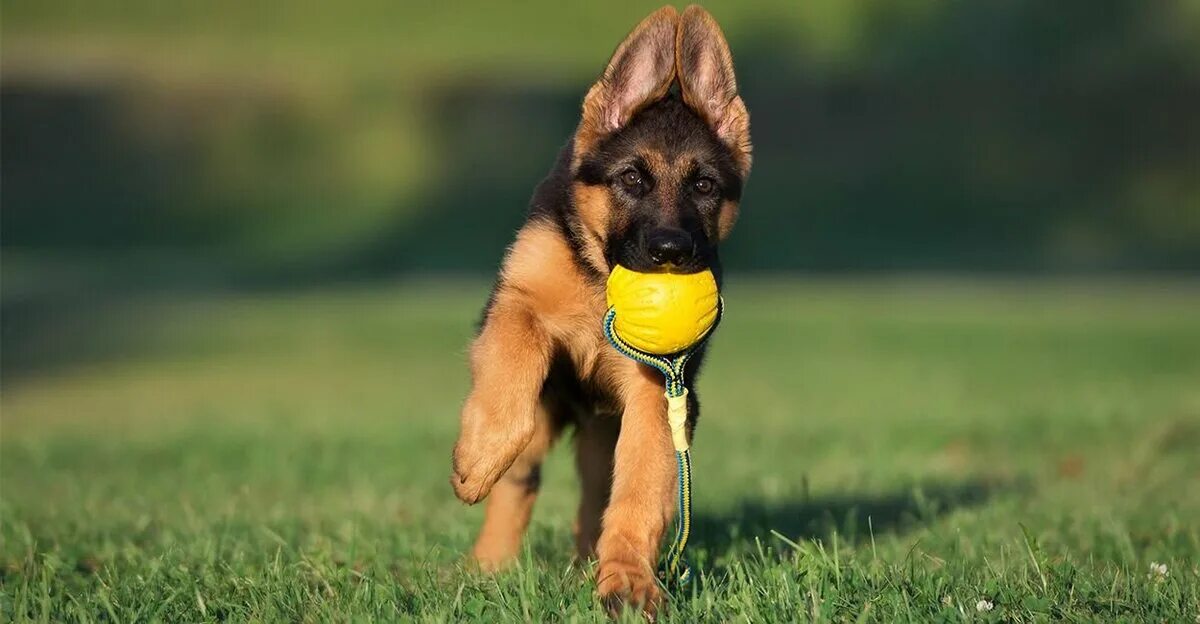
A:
(706, 80)
(640, 72)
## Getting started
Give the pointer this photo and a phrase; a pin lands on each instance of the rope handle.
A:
(677, 417)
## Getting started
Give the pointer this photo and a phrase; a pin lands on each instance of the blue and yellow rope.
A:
(672, 367)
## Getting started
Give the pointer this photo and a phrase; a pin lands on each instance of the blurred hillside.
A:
(150, 144)
(152, 147)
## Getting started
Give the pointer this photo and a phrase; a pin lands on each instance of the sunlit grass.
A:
(890, 451)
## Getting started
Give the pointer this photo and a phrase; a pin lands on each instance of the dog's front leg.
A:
(509, 363)
(642, 502)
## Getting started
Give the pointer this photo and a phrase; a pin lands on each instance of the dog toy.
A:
(660, 320)
(662, 313)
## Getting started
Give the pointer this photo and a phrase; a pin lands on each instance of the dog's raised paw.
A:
(486, 448)
(474, 485)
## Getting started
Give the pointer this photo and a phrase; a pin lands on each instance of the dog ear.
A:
(705, 69)
(640, 72)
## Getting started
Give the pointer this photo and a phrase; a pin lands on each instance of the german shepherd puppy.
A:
(650, 180)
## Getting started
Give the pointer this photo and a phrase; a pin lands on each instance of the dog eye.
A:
(631, 178)
(704, 186)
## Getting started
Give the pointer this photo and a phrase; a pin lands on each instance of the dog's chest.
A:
(588, 369)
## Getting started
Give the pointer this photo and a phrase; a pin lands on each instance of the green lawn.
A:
(873, 451)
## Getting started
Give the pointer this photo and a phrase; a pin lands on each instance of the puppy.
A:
(650, 180)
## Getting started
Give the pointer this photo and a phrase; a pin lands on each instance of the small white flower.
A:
(984, 605)
(1158, 571)
(947, 600)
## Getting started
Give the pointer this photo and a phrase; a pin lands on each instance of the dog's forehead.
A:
(670, 131)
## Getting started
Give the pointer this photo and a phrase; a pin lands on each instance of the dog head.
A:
(663, 148)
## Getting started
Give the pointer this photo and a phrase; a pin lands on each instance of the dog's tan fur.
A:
(546, 303)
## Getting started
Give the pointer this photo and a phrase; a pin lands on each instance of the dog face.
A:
(663, 148)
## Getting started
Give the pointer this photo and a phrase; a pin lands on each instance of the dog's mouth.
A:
(661, 251)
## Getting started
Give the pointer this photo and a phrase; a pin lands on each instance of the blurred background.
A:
(245, 244)
(226, 145)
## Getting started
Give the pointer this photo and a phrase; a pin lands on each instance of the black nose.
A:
(669, 246)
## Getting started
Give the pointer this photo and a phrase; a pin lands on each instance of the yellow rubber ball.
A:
(662, 313)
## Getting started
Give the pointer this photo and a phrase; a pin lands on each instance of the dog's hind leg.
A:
(510, 504)
(595, 442)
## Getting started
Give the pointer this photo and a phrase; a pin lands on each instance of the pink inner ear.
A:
(712, 88)
(630, 92)
(612, 118)
(628, 97)
(725, 127)
(704, 77)
(645, 74)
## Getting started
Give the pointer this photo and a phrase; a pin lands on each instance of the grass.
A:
(870, 451)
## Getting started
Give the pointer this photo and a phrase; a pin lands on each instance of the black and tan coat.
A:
(651, 180)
